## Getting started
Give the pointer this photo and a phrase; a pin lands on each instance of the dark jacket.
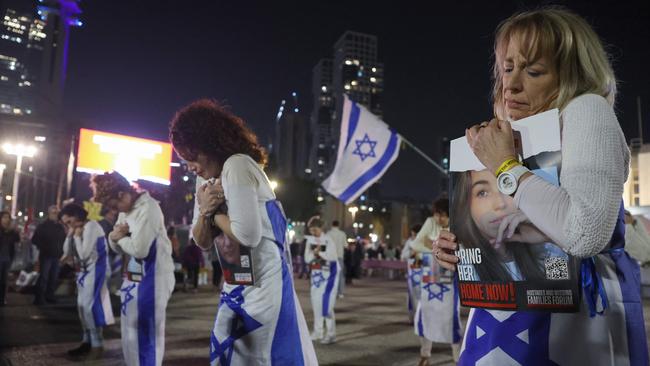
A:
(48, 238)
(8, 240)
(193, 256)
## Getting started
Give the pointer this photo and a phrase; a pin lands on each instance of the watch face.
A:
(507, 183)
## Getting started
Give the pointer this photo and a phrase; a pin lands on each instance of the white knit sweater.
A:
(580, 215)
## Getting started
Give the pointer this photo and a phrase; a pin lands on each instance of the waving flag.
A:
(366, 149)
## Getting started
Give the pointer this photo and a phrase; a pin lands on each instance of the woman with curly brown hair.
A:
(140, 233)
(259, 321)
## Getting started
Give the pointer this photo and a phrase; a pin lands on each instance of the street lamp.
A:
(20, 151)
(353, 210)
(274, 184)
(2, 173)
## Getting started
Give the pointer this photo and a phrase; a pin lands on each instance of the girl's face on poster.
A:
(488, 206)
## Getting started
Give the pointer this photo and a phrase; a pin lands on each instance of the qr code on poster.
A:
(245, 261)
(557, 268)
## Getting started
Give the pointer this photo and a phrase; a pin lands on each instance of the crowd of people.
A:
(544, 59)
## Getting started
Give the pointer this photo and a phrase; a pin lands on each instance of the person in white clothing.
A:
(259, 320)
(341, 240)
(637, 240)
(437, 315)
(86, 247)
(140, 233)
(321, 255)
(544, 59)
(413, 273)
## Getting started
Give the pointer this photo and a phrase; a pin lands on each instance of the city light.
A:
(134, 158)
(8, 197)
(274, 184)
(20, 149)
(353, 210)
(370, 209)
(40, 138)
(41, 214)
(320, 198)
(373, 237)
(185, 178)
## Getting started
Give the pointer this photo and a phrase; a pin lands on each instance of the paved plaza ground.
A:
(372, 327)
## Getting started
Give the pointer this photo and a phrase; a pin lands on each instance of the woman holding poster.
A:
(259, 320)
(551, 58)
(437, 315)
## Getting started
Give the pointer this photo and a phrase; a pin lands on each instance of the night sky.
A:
(133, 63)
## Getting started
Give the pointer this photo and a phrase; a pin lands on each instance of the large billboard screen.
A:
(133, 157)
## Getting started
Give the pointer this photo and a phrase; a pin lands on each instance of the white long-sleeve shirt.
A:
(146, 224)
(247, 190)
(84, 245)
(430, 230)
(407, 250)
(340, 239)
(329, 254)
(580, 215)
(637, 242)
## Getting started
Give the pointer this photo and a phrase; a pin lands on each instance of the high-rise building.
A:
(354, 70)
(322, 118)
(289, 149)
(33, 55)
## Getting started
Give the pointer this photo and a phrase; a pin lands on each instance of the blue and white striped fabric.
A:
(93, 299)
(143, 310)
(414, 276)
(263, 324)
(367, 147)
(437, 317)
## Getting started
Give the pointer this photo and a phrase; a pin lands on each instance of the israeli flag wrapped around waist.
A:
(367, 148)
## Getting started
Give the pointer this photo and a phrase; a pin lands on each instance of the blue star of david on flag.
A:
(243, 324)
(317, 279)
(367, 147)
(523, 337)
(359, 151)
(432, 294)
(82, 278)
(127, 296)
(414, 276)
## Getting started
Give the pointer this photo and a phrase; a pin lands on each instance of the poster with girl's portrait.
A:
(506, 262)
(236, 261)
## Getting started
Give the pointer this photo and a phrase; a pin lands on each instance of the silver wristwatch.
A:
(508, 181)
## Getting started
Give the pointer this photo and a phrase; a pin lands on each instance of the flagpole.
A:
(425, 156)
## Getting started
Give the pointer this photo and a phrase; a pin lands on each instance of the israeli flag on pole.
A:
(366, 149)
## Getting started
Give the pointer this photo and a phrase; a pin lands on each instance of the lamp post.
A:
(2, 173)
(20, 151)
(353, 210)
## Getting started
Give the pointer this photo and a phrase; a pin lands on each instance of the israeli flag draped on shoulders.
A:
(367, 147)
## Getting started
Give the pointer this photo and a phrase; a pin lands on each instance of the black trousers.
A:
(4, 274)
